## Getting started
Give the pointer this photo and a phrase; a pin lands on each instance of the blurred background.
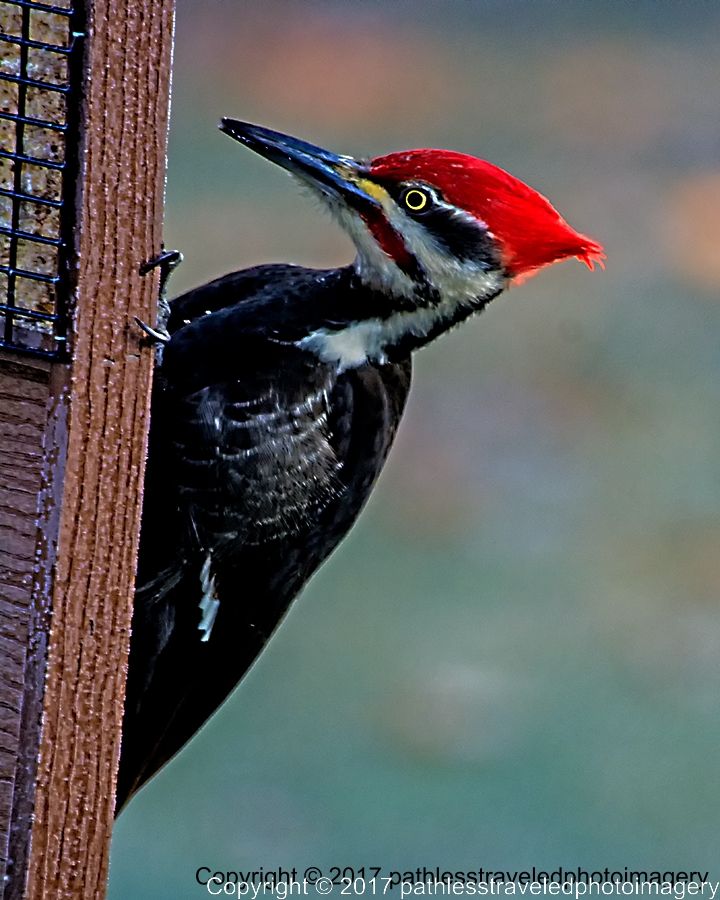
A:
(514, 659)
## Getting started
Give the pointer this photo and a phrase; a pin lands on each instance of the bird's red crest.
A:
(530, 232)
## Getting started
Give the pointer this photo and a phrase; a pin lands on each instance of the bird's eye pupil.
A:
(416, 200)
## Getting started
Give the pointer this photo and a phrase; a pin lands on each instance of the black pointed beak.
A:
(334, 175)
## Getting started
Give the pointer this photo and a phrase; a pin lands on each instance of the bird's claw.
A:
(158, 336)
(167, 262)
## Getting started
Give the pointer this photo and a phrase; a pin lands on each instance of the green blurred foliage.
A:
(514, 659)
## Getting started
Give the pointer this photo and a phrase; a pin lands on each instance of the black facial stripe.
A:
(466, 240)
(459, 236)
(425, 292)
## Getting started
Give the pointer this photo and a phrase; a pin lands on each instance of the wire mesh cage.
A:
(40, 46)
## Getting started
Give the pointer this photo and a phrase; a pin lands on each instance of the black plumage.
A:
(259, 456)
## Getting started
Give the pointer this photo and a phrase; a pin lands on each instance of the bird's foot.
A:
(167, 262)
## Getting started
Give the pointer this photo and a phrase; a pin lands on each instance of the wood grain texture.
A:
(23, 398)
(49, 503)
(123, 164)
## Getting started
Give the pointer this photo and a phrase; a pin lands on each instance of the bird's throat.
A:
(379, 340)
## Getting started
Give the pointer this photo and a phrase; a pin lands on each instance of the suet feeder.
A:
(84, 94)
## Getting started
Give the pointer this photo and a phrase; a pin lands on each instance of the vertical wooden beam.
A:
(47, 451)
(24, 392)
(95, 448)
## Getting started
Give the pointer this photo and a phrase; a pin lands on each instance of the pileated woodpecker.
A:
(277, 399)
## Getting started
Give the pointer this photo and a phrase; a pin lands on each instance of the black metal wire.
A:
(34, 320)
(44, 7)
(27, 120)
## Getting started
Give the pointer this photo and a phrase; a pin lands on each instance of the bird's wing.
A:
(254, 461)
(251, 483)
(243, 461)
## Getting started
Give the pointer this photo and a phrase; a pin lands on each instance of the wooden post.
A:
(71, 468)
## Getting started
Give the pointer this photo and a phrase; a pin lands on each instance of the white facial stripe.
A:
(452, 278)
(368, 341)
(373, 265)
(459, 284)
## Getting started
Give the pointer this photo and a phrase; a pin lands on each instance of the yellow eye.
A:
(415, 200)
